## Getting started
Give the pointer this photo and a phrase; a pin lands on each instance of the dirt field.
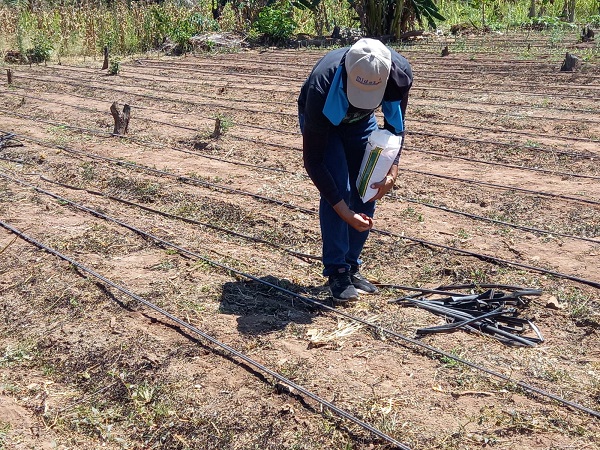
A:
(499, 184)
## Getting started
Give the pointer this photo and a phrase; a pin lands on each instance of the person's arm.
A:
(314, 145)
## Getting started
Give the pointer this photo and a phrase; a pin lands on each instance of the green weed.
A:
(4, 429)
(15, 355)
(449, 362)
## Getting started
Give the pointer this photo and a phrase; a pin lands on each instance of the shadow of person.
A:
(262, 309)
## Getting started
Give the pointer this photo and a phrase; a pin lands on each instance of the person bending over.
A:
(336, 114)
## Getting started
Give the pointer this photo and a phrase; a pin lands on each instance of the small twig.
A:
(9, 244)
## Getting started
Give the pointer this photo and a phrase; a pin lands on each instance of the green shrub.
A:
(275, 23)
(41, 50)
(180, 31)
(548, 22)
(594, 21)
(114, 67)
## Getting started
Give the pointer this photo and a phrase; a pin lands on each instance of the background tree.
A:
(395, 17)
(568, 12)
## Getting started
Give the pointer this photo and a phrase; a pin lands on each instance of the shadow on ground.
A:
(262, 308)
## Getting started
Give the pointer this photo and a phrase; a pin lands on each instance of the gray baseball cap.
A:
(368, 64)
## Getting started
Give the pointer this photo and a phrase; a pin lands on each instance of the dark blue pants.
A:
(342, 244)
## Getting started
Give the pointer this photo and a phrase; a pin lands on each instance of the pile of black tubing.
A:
(492, 312)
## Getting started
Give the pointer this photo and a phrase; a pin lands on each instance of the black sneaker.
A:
(361, 284)
(342, 289)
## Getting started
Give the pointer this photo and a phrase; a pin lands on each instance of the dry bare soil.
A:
(499, 185)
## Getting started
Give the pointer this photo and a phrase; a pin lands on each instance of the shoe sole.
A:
(360, 291)
(345, 300)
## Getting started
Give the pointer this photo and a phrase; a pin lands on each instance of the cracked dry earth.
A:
(499, 177)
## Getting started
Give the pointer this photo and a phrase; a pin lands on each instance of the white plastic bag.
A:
(382, 149)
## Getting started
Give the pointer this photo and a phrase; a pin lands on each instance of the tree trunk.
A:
(568, 11)
(532, 9)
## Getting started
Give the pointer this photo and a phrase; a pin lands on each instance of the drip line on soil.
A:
(106, 133)
(302, 76)
(294, 115)
(142, 107)
(185, 219)
(301, 255)
(426, 59)
(498, 222)
(501, 186)
(255, 88)
(183, 127)
(504, 130)
(307, 256)
(503, 114)
(545, 107)
(425, 204)
(253, 363)
(577, 155)
(457, 179)
(195, 181)
(306, 300)
(536, 148)
(501, 164)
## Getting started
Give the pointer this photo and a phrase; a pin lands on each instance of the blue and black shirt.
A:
(323, 103)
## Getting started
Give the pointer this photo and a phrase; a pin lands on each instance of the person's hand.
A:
(358, 221)
(367, 218)
(383, 187)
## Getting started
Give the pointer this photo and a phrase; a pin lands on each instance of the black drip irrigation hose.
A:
(503, 114)
(443, 290)
(182, 178)
(417, 87)
(414, 149)
(77, 82)
(504, 130)
(212, 340)
(155, 145)
(470, 71)
(300, 255)
(501, 164)
(195, 181)
(498, 222)
(279, 113)
(213, 97)
(503, 187)
(316, 303)
(308, 256)
(579, 155)
(563, 119)
(445, 101)
(148, 108)
(492, 185)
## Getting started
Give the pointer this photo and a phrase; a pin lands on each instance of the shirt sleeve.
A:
(314, 145)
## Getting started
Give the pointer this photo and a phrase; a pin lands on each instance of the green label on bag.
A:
(368, 170)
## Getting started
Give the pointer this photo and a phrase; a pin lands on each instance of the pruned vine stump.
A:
(121, 120)
(570, 63)
(445, 51)
(587, 34)
(217, 131)
(9, 76)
